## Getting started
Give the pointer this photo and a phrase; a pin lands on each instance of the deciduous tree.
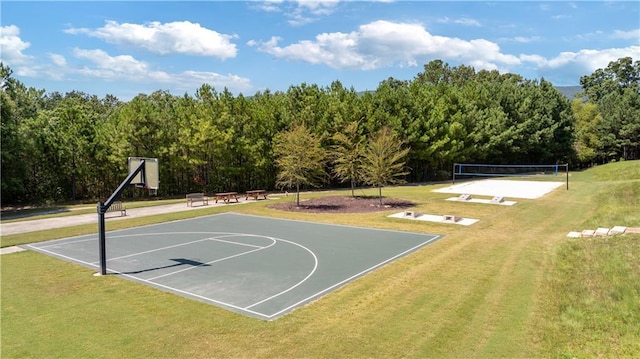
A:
(300, 159)
(384, 160)
(348, 155)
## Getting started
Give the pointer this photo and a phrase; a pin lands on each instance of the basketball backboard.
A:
(151, 178)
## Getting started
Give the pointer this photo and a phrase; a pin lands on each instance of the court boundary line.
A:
(241, 214)
(126, 235)
(215, 301)
(151, 281)
(225, 304)
(152, 284)
(206, 299)
(129, 228)
(357, 275)
(329, 224)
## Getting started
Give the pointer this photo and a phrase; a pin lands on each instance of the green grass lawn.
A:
(512, 285)
(72, 210)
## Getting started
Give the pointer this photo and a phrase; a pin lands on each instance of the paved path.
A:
(67, 221)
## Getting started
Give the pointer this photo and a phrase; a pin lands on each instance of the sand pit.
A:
(504, 188)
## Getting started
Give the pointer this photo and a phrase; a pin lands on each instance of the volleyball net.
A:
(466, 170)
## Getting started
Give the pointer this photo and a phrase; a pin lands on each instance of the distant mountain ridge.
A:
(569, 91)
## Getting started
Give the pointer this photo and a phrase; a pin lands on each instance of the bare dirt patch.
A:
(343, 204)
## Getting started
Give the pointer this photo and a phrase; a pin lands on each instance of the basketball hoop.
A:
(150, 190)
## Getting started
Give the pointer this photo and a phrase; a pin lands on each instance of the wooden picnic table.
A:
(227, 196)
(256, 193)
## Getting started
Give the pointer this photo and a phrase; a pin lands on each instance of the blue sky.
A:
(127, 48)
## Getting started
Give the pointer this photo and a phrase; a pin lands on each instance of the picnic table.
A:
(227, 196)
(256, 193)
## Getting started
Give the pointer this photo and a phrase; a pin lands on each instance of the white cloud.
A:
(318, 7)
(525, 40)
(112, 68)
(195, 79)
(573, 65)
(58, 60)
(12, 46)
(125, 68)
(461, 21)
(267, 5)
(181, 37)
(383, 43)
(467, 21)
(98, 65)
(627, 35)
(299, 12)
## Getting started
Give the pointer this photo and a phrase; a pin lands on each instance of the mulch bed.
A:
(343, 204)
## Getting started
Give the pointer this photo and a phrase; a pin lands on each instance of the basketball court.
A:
(256, 266)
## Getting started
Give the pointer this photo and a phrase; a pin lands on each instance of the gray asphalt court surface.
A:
(256, 266)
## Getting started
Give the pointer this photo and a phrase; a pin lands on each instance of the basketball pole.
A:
(102, 209)
(453, 172)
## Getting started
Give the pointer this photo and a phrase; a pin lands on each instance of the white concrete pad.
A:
(588, 233)
(14, 249)
(503, 188)
(497, 199)
(574, 235)
(480, 200)
(617, 230)
(601, 232)
(435, 218)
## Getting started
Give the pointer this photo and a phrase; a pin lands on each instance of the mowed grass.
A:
(511, 285)
(72, 210)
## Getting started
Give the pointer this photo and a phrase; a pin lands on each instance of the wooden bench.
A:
(118, 206)
(256, 193)
(227, 196)
(197, 197)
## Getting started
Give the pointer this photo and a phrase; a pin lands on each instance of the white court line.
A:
(352, 277)
(247, 309)
(219, 259)
(157, 249)
(65, 243)
(238, 243)
(315, 267)
(325, 224)
(206, 299)
(40, 249)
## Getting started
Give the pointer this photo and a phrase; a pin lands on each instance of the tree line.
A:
(75, 146)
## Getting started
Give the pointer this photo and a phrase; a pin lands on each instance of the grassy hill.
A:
(512, 285)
